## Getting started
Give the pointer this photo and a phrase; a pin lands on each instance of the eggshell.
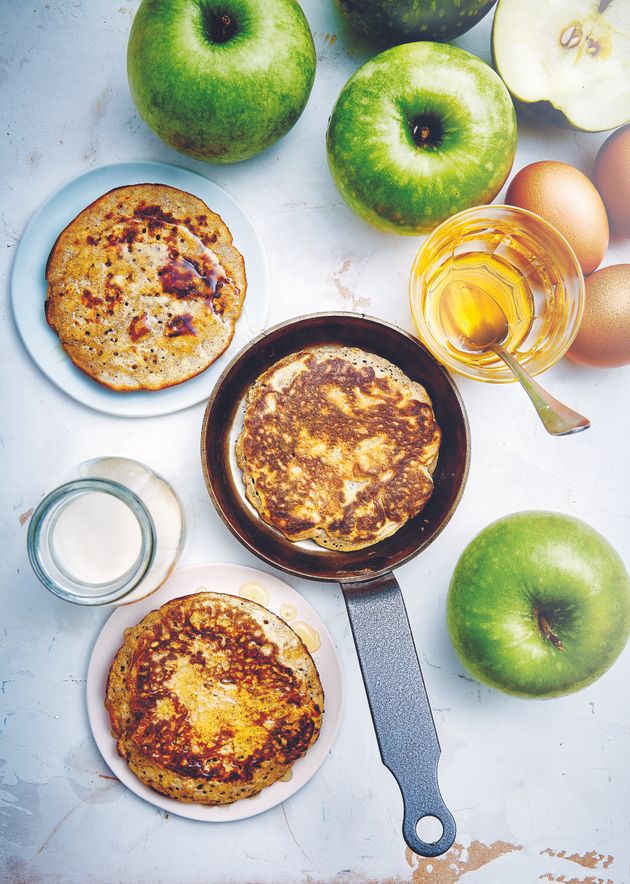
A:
(565, 197)
(603, 340)
(612, 179)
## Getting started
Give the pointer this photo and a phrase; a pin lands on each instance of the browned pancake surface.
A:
(212, 698)
(337, 445)
(145, 287)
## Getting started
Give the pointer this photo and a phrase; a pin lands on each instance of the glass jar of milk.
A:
(110, 536)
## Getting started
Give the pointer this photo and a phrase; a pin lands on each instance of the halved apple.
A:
(568, 60)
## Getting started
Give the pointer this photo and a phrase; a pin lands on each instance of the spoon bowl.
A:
(472, 319)
(475, 323)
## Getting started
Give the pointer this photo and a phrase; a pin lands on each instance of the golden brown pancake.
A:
(212, 698)
(145, 287)
(337, 445)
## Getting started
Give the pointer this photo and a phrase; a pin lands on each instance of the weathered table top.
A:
(540, 790)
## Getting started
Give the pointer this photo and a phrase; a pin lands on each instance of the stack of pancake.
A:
(212, 698)
(338, 445)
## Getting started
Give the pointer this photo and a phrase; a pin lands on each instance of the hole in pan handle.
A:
(399, 705)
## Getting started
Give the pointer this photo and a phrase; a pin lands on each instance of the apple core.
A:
(567, 61)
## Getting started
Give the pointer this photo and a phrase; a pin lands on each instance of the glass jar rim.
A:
(486, 215)
(114, 589)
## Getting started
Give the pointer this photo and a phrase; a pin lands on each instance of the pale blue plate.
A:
(28, 286)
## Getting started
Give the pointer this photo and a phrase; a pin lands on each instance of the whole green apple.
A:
(418, 133)
(220, 80)
(539, 605)
(389, 22)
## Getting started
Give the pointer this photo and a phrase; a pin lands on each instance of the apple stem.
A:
(220, 28)
(421, 134)
(225, 23)
(547, 631)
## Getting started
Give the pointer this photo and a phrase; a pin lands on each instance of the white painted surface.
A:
(546, 776)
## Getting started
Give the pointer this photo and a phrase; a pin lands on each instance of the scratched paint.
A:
(562, 879)
(590, 860)
(23, 519)
(458, 861)
(341, 279)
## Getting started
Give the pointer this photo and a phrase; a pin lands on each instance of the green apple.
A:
(418, 133)
(566, 60)
(539, 605)
(220, 80)
(389, 22)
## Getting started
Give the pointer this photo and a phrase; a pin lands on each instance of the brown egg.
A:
(612, 178)
(566, 198)
(603, 340)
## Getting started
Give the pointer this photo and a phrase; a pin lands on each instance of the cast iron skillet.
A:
(395, 688)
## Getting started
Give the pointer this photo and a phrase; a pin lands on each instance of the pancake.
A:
(212, 698)
(338, 446)
(144, 288)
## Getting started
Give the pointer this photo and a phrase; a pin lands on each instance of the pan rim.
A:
(361, 575)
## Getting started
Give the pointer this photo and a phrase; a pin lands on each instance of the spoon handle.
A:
(558, 419)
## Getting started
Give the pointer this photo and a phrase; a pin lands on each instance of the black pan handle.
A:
(400, 709)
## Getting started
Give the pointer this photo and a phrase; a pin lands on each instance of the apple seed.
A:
(571, 37)
(601, 47)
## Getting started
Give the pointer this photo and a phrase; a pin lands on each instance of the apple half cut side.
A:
(566, 60)
(539, 605)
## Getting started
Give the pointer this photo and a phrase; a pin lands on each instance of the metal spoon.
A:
(474, 323)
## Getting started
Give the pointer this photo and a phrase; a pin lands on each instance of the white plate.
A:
(227, 579)
(28, 286)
